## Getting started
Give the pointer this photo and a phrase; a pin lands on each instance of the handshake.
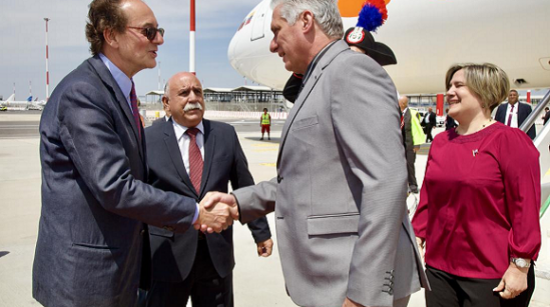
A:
(217, 211)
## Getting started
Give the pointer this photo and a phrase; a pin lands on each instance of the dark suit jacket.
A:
(523, 111)
(94, 199)
(450, 123)
(159, 120)
(431, 121)
(406, 131)
(173, 254)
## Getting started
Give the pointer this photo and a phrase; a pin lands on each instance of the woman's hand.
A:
(513, 282)
(421, 243)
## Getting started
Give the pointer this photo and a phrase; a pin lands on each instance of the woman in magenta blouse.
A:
(479, 205)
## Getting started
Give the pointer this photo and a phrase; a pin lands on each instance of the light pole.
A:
(192, 39)
(47, 69)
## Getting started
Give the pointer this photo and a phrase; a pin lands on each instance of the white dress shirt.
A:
(514, 123)
(184, 140)
(183, 144)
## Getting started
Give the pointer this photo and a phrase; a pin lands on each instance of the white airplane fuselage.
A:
(427, 37)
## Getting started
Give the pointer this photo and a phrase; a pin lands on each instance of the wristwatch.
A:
(520, 262)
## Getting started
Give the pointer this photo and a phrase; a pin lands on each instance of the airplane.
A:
(29, 104)
(428, 37)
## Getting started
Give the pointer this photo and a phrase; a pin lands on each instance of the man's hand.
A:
(215, 218)
(212, 198)
(416, 148)
(350, 303)
(265, 248)
(513, 282)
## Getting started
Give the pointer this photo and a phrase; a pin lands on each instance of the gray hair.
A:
(325, 12)
(166, 89)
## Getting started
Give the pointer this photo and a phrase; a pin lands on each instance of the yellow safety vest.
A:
(418, 135)
(265, 119)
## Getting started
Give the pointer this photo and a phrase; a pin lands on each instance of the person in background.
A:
(165, 107)
(193, 264)
(412, 138)
(265, 123)
(546, 115)
(514, 113)
(478, 216)
(450, 122)
(429, 122)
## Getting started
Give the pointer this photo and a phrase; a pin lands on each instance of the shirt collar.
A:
(180, 130)
(316, 59)
(124, 83)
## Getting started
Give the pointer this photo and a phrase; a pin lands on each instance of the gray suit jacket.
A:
(173, 254)
(94, 200)
(339, 197)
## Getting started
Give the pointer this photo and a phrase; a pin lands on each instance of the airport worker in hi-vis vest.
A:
(265, 123)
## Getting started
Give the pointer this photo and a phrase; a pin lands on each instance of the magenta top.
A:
(480, 202)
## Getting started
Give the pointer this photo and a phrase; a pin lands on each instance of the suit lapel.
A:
(175, 154)
(110, 82)
(324, 61)
(209, 147)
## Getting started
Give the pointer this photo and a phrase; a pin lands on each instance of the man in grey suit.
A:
(92, 247)
(193, 264)
(339, 196)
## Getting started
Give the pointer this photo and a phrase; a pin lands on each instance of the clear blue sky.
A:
(22, 37)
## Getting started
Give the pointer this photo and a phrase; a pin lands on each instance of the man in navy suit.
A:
(194, 264)
(514, 113)
(92, 247)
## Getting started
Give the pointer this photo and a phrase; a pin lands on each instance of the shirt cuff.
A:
(196, 217)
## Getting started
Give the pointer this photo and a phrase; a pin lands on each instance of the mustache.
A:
(191, 106)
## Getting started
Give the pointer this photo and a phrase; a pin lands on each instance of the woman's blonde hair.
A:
(487, 81)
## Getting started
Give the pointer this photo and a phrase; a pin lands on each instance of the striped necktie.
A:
(195, 159)
(135, 111)
(510, 116)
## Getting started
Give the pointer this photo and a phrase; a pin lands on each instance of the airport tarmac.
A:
(258, 282)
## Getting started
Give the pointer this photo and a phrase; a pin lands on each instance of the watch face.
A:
(521, 263)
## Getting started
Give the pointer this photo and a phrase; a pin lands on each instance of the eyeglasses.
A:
(149, 32)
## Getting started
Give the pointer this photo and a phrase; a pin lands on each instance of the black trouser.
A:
(453, 291)
(203, 284)
(411, 175)
(428, 132)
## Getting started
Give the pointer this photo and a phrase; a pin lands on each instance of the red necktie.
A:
(510, 116)
(402, 121)
(135, 111)
(195, 159)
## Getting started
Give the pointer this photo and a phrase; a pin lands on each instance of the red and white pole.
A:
(192, 39)
(47, 69)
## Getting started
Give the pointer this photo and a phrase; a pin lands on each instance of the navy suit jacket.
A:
(523, 111)
(224, 161)
(94, 196)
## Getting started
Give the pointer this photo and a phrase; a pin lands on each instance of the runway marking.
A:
(267, 149)
(269, 164)
(266, 145)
